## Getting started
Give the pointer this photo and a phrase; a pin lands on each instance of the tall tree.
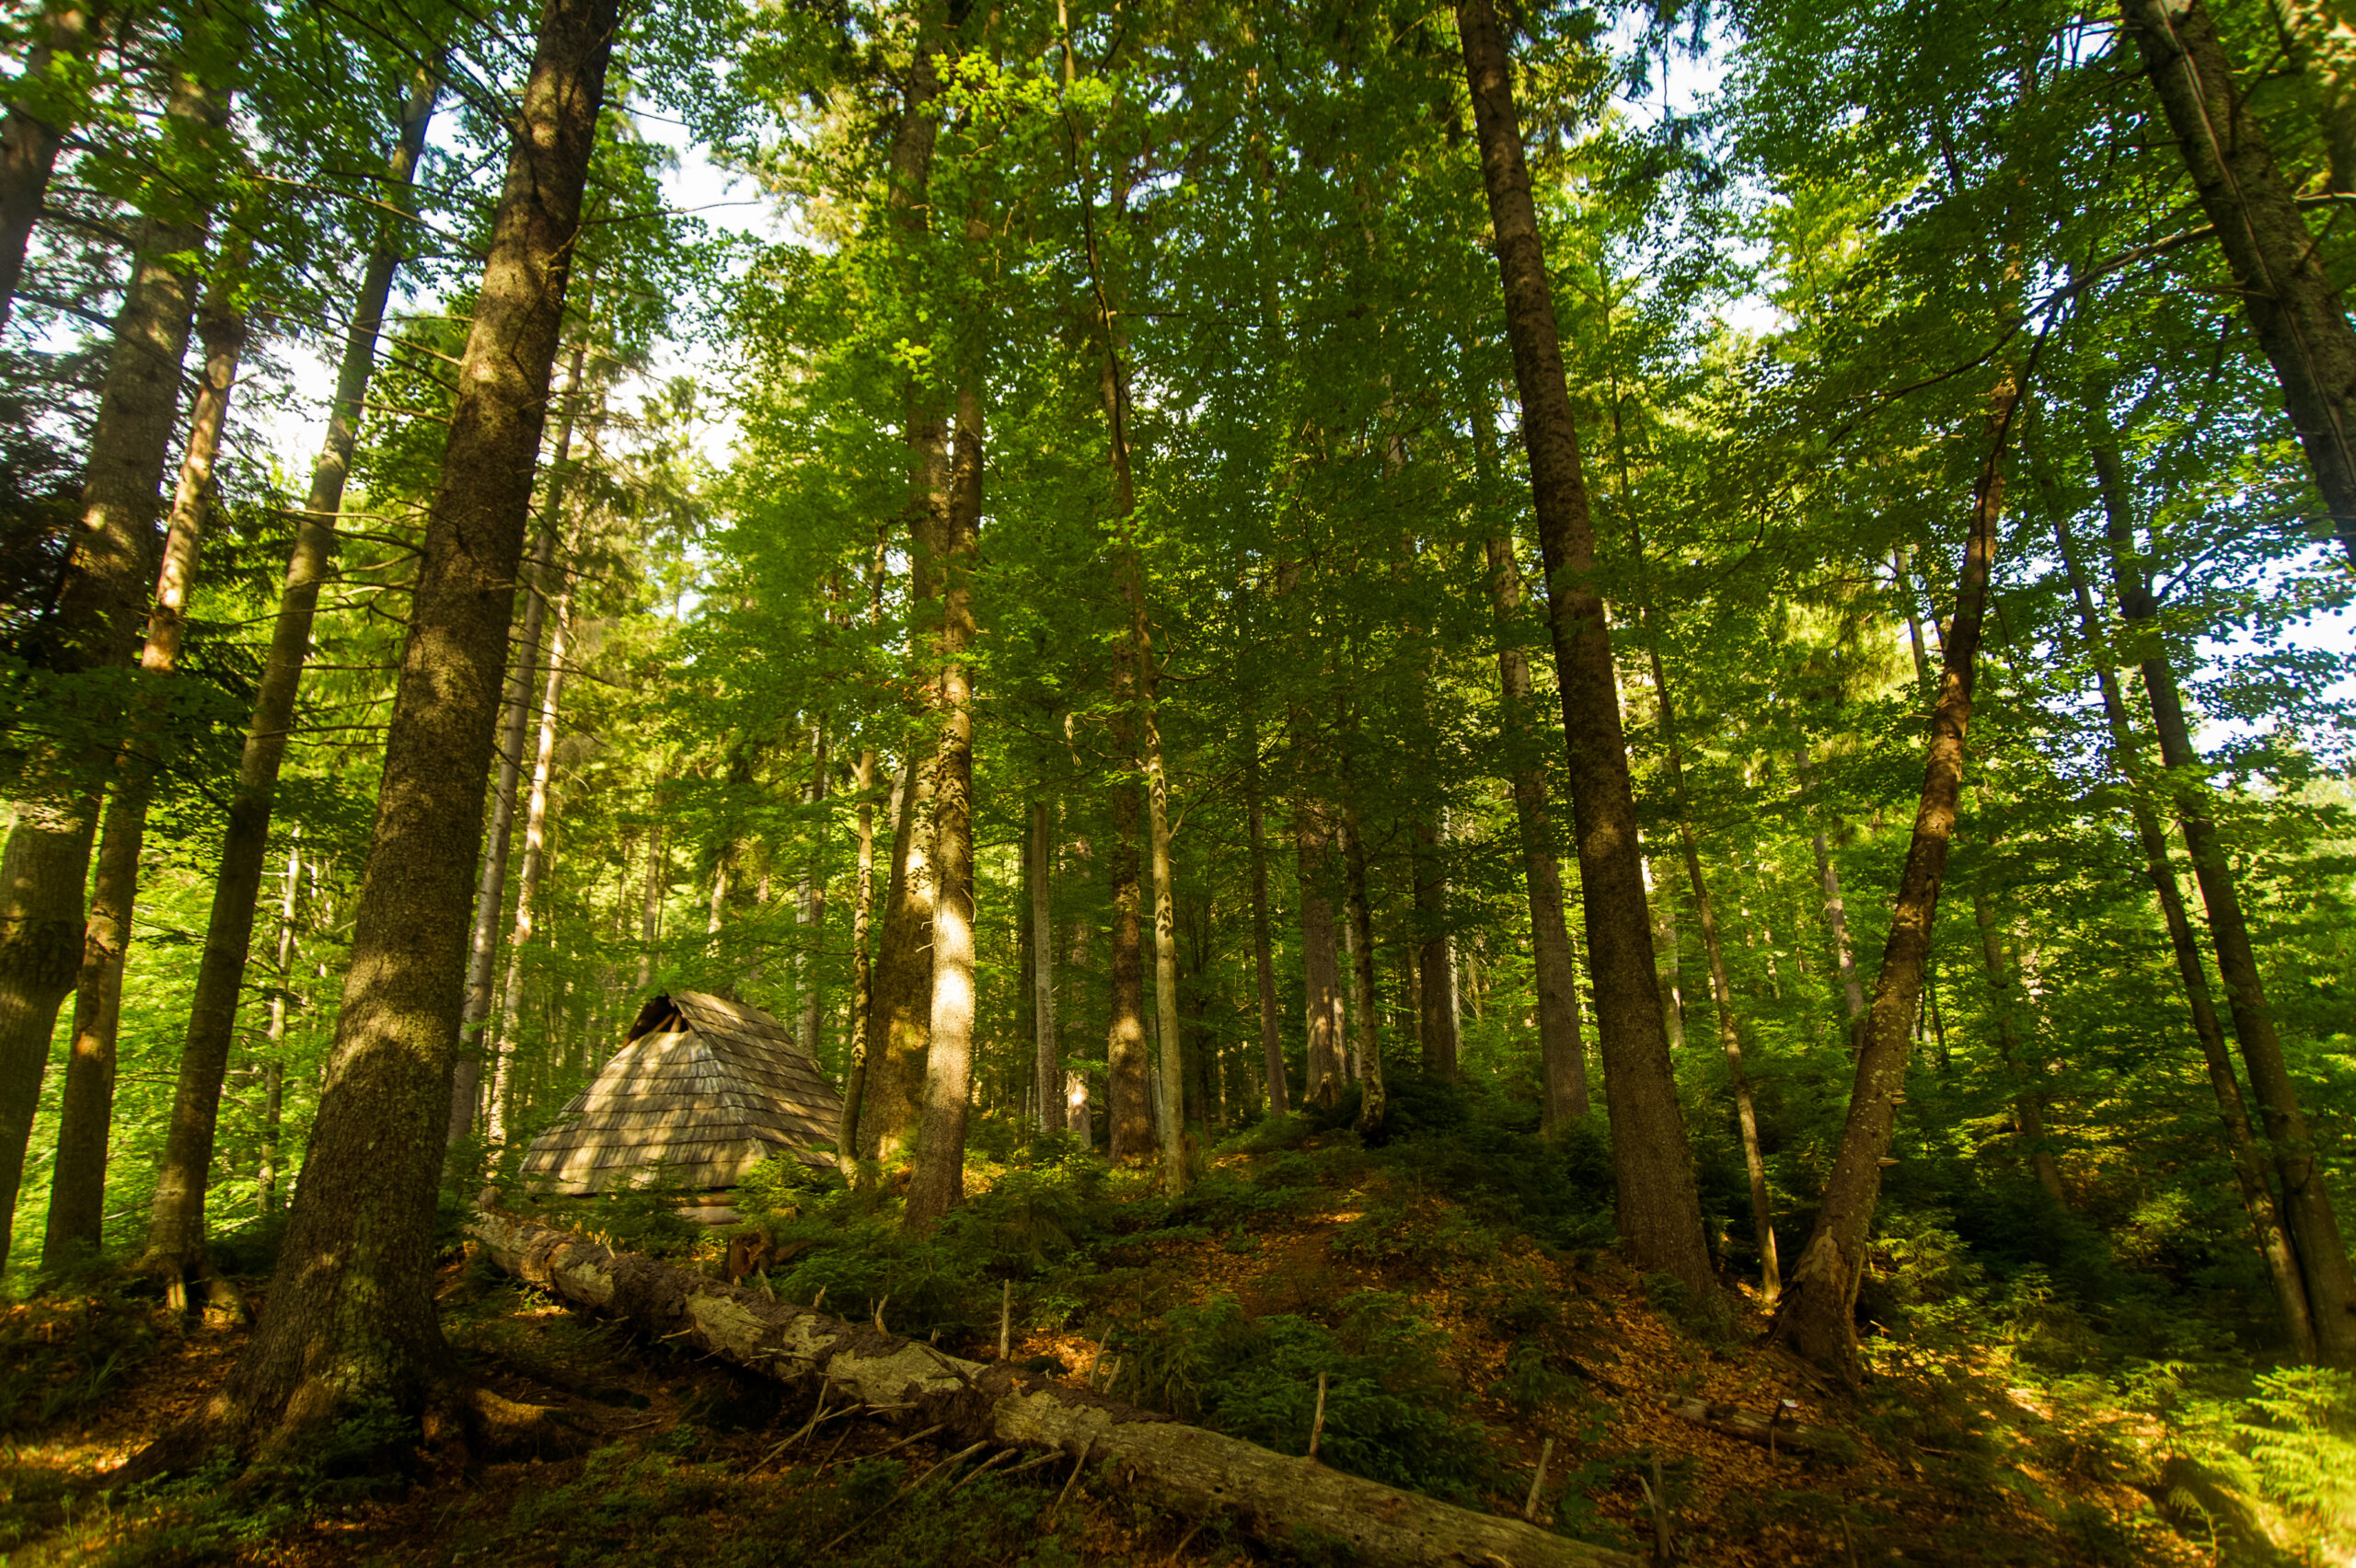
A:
(1658, 1204)
(86, 1109)
(350, 1319)
(2306, 1200)
(176, 1214)
(936, 1181)
(100, 612)
(2294, 308)
(1816, 1318)
(43, 101)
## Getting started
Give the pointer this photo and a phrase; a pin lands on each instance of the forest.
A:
(1543, 783)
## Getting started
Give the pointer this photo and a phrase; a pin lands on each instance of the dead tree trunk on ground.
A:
(1276, 1497)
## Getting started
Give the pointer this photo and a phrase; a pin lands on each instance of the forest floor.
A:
(1459, 1350)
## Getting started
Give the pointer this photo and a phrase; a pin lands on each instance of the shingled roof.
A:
(707, 1087)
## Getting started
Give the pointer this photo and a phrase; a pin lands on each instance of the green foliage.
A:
(61, 1356)
(1393, 1413)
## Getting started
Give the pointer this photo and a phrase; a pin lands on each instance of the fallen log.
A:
(1776, 1431)
(1274, 1496)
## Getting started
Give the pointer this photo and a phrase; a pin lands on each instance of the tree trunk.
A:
(2266, 1220)
(1047, 1058)
(176, 1214)
(2320, 43)
(275, 1066)
(862, 989)
(1562, 1053)
(1280, 1499)
(2307, 1202)
(1369, 1044)
(902, 1010)
(1836, 920)
(2294, 310)
(95, 624)
(536, 865)
(1165, 931)
(41, 100)
(1816, 1317)
(2028, 1105)
(1434, 955)
(350, 1318)
(1272, 1048)
(1319, 958)
(1659, 1208)
(658, 883)
(810, 916)
(515, 722)
(1913, 612)
(1771, 1278)
(937, 1180)
(1125, 1054)
(1660, 904)
(77, 1181)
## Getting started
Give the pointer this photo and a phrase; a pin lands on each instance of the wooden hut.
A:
(707, 1087)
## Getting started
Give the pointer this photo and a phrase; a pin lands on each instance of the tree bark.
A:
(2320, 42)
(274, 1066)
(937, 1180)
(1125, 1054)
(176, 1214)
(1272, 1048)
(1659, 1206)
(1816, 1317)
(903, 1002)
(2307, 1202)
(1165, 931)
(2294, 310)
(1835, 911)
(39, 102)
(1770, 1279)
(1836, 926)
(1278, 1498)
(1369, 1045)
(1660, 905)
(1435, 954)
(1905, 585)
(862, 988)
(1319, 957)
(1562, 1053)
(1047, 1057)
(515, 722)
(2266, 1226)
(95, 624)
(350, 1317)
(2028, 1105)
(85, 1118)
(658, 883)
(810, 916)
(900, 1010)
(536, 866)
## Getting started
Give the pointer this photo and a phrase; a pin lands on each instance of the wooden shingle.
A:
(706, 1087)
